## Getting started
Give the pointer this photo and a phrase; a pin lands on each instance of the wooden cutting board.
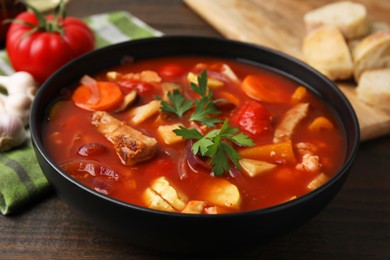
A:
(278, 24)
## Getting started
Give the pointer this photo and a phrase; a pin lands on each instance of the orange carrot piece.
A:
(230, 97)
(262, 89)
(321, 123)
(299, 94)
(281, 153)
(110, 97)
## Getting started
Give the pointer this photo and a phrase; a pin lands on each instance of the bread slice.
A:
(374, 88)
(326, 50)
(372, 52)
(350, 17)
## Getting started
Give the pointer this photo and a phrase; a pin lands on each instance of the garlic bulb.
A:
(12, 132)
(20, 89)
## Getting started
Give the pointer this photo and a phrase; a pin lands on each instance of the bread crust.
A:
(372, 52)
(349, 17)
(374, 88)
(326, 50)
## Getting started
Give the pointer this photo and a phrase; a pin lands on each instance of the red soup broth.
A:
(318, 149)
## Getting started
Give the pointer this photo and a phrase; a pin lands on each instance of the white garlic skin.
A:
(12, 132)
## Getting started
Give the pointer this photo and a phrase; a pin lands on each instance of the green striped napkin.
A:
(21, 179)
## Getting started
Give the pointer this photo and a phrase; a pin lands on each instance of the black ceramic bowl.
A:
(177, 232)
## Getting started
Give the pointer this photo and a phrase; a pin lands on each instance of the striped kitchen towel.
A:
(21, 179)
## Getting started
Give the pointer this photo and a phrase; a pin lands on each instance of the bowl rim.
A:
(348, 161)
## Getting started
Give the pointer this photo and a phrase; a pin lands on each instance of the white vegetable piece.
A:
(141, 113)
(222, 193)
(20, 91)
(12, 132)
(255, 167)
(169, 193)
(155, 201)
(167, 134)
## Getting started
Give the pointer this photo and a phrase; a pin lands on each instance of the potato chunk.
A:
(318, 181)
(154, 201)
(212, 83)
(169, 193)
(166, 133)
(141, 113)
(221, 192)
(255, 167)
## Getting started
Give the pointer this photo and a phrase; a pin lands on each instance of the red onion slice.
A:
(93, 86)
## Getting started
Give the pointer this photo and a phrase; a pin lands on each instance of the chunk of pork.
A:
(291, 119)
(131, 145)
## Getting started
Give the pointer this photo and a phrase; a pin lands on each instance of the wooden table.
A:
(356, 225)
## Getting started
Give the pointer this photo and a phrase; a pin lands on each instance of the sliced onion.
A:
(93, 86)
(194, 162)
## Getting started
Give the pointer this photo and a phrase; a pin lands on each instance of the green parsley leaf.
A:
(188, 133)
(205, 106)
(202, 87)
(215, 144)
(203, 109)
(179, 106)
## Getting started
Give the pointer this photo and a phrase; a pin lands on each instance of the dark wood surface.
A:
(356, 225)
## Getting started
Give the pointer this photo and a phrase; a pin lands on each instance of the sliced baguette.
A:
(326, 50)
(373, 52)
(350, 17)
(374, 88)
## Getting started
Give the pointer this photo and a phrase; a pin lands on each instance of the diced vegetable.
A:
(228, 96)
(262, 88)
(318, 181)
(167, 134)
(113, 75)
(168, 87)
(221, 192)
(128, 100)
(108, 96)
(211, 83)
(279, 153)
(141, 113)
(255, 167)
(321, 123)
(171, 71)
(148, 76)
(195, 207)
(252, 118)
(155, 201)
(169, 193)
(299, 95)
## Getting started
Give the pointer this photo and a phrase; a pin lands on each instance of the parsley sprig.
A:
(216, 145)
(205, 106)
(178, 104)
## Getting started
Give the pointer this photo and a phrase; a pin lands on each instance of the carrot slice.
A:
(299, 95)
(228, 96)
(263, 88)
(110, 97)
(281, 153)
(321, 123)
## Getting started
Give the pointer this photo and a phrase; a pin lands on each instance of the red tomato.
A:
(45, 50)
(171, 71)
(253, 119)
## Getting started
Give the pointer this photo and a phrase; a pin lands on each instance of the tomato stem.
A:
(54, 25)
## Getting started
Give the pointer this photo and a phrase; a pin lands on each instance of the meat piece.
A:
(310, 163)
(291, 119)
(131, 145)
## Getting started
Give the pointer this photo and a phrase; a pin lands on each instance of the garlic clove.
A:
(12, 132)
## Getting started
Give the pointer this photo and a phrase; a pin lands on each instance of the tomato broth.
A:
(298, 144)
